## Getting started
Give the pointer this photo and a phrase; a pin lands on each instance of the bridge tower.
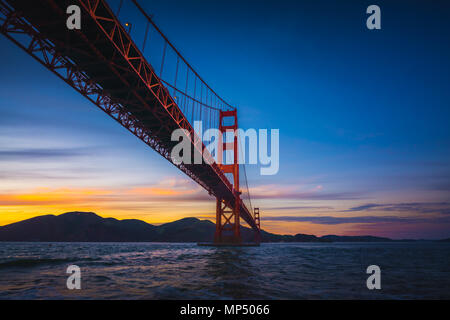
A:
(258, 224)
(256, 216)
(227, 214)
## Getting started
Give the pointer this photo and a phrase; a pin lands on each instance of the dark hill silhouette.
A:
(89, 227)
(77, 226)
(334, 238)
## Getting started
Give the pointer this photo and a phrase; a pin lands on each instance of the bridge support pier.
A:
(227, 223)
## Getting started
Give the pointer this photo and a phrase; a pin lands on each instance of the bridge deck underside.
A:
(98, 57)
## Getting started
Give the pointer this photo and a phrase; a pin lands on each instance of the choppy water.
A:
(185, 271)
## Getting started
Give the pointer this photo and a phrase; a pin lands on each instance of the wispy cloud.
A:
(330, 220)
(412, 207)
(296, 193)
(302, 208)
(172, 190)
(22, 174)
(34, 154)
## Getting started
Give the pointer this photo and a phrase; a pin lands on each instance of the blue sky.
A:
(363, 118)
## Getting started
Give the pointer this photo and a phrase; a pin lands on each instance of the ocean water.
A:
(419, 270)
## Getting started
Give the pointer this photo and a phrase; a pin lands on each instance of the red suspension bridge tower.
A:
(227, 215)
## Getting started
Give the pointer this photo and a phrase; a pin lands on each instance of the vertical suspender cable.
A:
(145, 37)
(176, 76)
(193, 103)
(186, 89)
(120, 7)
(162, 61)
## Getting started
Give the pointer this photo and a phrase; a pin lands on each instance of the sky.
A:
(363, 118)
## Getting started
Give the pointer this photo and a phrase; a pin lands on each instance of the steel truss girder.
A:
(47, 54)
(113, 29)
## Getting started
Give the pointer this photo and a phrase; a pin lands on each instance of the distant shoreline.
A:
(89, 227)
(267, 242)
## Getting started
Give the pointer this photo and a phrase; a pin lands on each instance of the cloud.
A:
(330, 220)
(34, 154)
(293, 192)
(301, 208)
(174, 188)
(55, 174)
(418, 207)
(169, 190)
(365, 207)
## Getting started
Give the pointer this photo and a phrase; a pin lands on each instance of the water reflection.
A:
(233, 273)
(186, 271)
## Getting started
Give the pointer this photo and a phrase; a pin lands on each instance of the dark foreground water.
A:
(185, 271)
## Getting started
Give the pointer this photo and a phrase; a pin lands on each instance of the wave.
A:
(33, 262)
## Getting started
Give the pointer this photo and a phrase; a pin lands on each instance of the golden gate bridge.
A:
(150, 89)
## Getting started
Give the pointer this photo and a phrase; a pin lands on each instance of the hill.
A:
(89, 227)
